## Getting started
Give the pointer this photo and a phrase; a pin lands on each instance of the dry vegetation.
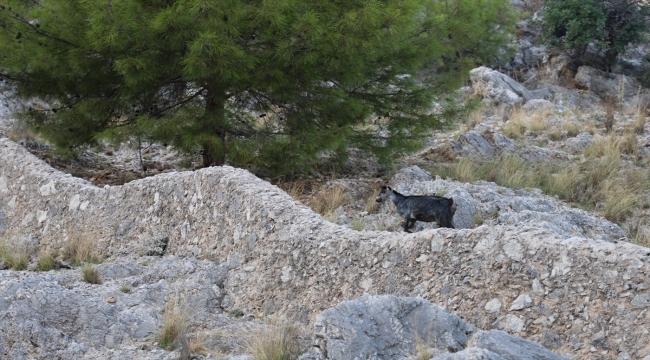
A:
(46, 262)
(328, 199)
(81, 249)
(174, 324)
(521, 121)
(90, 275)
(601, 182)
(19, 131)
(277, 339)
(13, 257)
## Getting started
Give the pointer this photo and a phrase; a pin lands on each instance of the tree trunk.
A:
(215, 115)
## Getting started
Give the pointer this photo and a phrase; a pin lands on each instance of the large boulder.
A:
(498, 88)
(390, 327)
(605, 84)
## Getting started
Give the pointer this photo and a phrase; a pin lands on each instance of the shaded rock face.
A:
(606, 84)
(55, 314)
(282, 257)
(388, 327)
(486, 144)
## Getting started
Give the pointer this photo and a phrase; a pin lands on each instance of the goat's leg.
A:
(407, 224)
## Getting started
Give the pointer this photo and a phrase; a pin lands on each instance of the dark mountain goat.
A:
(421, 208)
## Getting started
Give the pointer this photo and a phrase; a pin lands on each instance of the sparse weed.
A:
(125, 289)
(628, 144)
(236, 313)
(358, 224)
(197, 345)
(20, 131)
(372, 206)
(639, 124)
(538, 123)
(478, 219)
(610, 108)
(90, 275)
(555, 135)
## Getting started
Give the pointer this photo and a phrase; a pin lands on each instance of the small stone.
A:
(111, 300)
(509, 323)
(522, 301)
(2, 265)
(493, 306)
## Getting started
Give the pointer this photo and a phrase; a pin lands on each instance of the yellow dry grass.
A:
(277, 339)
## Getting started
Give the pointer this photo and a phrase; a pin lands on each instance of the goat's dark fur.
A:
(421, 208)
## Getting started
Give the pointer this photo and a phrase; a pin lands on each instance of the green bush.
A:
(611, 25)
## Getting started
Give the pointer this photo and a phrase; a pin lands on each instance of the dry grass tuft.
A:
(639, 124)
(90, 275)
(197, 345)
(174, 323)
(326, 200)
(612, 147)
(556, 135)
(81, 249)
(14, 257)
(358, 224)
(610, 108)
(19, 131)
(46, 262)
(514, 129)
(277, 339)
(372, 206)
(628, 144)
(572, 129)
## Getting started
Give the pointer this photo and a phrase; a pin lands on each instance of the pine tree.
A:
(271, 83)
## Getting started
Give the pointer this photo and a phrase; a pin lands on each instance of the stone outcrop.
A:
(606, 84)
(388, 327)
(588, 297)
(56, 315)
(486, 144)
(498, 88)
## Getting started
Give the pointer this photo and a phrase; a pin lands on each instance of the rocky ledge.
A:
(576, 296)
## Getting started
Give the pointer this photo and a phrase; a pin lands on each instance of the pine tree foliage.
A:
(268, 83)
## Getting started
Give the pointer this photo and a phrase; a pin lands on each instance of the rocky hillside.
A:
(571, 294)
(550, 257)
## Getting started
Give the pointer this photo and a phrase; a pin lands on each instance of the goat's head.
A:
(384, 193)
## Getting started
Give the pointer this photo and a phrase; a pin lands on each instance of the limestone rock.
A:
(384, 327)
(498, 88)
(54, 314)
(512, 348)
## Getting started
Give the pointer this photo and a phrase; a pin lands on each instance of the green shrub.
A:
(610, 24)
